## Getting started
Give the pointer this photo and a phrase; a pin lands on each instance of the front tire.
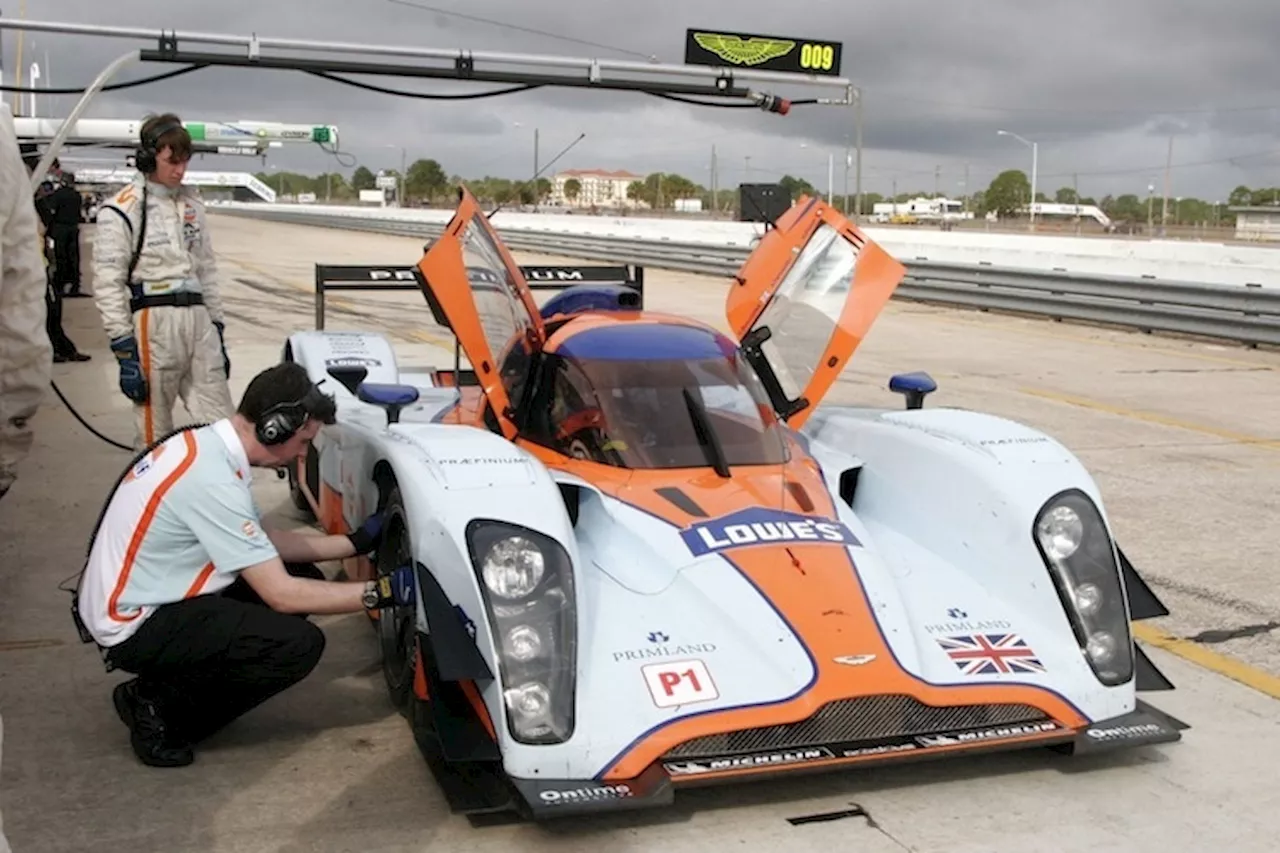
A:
(397, 626)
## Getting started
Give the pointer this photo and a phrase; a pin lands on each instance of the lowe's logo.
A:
(763, 527)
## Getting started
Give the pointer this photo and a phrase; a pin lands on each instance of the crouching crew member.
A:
(186, 588)
(155, 281)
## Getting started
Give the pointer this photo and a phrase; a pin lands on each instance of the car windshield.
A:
(634, 413)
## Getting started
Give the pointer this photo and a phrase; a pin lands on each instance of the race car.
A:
(650, 556)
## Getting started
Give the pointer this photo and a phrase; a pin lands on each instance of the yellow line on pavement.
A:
(1152, 417)
(1263, 682)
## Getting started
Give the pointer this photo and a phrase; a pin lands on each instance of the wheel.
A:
(397, 626)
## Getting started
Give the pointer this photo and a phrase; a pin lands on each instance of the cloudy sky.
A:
(1101, 85)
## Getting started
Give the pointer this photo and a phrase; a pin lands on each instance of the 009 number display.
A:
(817, 57)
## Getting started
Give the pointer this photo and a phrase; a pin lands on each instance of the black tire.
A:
(313, 483)
(397, 626)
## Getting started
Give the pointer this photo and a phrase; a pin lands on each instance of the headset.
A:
(281, 422)
(145, 157)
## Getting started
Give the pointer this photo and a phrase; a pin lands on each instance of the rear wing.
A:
(350, 277)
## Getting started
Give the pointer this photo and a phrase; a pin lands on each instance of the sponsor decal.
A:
(249, 529)
(759, 526)
(679, 683)
(544, 274)
(997, 442)
(586, 794)
(960, 623)
(392, 275)
(658, 648)
(740, 762)
(483, 460)
(993, 733)
(991, 654)
(854, 660)
(351, 361)
(880, 749)
(1116, 732)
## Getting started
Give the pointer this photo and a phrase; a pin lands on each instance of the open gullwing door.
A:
(804, 300)
(475, 286)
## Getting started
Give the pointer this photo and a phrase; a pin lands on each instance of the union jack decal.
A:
(991, 654)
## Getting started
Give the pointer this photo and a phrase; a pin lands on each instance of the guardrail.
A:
(1240, 313)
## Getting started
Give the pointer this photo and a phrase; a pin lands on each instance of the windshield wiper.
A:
(706, 435)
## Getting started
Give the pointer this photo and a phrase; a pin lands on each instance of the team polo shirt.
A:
(181, 523)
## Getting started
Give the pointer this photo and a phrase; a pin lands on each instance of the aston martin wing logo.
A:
(749, 51)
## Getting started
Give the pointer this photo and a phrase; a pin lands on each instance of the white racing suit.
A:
(26, 356)
(170, 306)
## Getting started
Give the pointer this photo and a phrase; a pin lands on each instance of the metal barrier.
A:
(1245, 314)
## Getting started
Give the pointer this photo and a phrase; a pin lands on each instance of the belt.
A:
(180, 300)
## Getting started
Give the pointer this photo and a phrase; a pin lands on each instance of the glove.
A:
(369, 536)
(226, 362)
(132, 382)
(396, 589)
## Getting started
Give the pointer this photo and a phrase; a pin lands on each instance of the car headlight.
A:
(527, 581)
(1076, 546)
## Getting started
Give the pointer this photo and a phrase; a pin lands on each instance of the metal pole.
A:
(55, 144)
(594, 67)
(1035, 164)
(858, 113)
(831, 177)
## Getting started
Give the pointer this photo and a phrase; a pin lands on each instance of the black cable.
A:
(424, 95)
(112, 87)
(72, 410)
(737, 106)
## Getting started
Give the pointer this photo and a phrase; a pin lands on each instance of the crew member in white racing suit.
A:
(26, 356)
(156, 285)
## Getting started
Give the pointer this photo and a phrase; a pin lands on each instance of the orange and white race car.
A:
(650, 556)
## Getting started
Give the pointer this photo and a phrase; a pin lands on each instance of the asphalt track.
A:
(1181, 435)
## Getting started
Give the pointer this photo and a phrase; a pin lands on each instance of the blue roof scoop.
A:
(913, 386)
(389, 396)
(592, 297)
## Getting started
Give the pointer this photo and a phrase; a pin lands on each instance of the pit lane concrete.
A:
(1181, 435)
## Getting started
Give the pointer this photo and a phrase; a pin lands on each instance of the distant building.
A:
(599, 187)
(1257, 222)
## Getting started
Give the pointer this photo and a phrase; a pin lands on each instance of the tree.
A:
(572, 188)
(362, 179)
(797, 187)
(1066, 195)
(1008, 192)
(425, 179)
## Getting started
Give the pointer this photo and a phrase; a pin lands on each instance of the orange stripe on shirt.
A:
(200, 581)
(148, 515)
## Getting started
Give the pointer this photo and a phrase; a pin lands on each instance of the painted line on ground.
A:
(1236, 670)
(1153, 418)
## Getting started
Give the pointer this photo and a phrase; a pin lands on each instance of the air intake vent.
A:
(850, 720)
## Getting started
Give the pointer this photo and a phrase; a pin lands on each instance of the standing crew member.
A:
(185, 588)
(156, 284)
(25, 353)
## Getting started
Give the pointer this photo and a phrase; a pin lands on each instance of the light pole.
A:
(1035, 164)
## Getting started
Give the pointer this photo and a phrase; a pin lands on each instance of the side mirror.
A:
(390, 397)
(913, 386)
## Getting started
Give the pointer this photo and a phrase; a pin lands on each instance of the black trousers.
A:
(66, 249)
(207, 660)
(62, 345)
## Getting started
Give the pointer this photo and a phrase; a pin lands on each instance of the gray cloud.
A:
(1099, 85)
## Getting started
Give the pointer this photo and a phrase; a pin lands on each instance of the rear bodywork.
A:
(794, 585)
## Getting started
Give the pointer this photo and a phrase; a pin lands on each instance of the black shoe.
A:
(151, 738)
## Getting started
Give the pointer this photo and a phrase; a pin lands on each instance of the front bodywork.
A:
(881, 593)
